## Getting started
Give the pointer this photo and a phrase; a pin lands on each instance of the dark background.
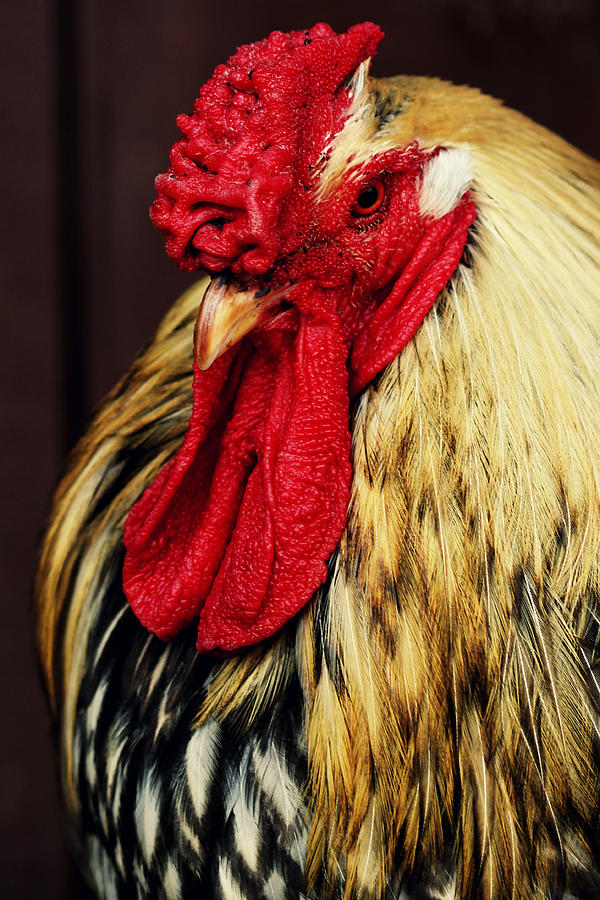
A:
(91, 92)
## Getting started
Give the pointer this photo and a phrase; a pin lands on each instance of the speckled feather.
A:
(429, 725)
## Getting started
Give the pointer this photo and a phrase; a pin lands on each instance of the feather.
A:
(429, 724)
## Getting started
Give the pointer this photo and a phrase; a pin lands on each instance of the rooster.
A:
(318, 603)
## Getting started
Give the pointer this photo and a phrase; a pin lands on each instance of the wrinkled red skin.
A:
(238, 527)
(252, 147)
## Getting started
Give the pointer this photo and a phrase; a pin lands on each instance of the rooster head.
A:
(326, 256)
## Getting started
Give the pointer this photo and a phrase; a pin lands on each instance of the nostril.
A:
(218, 222)
(190, 250)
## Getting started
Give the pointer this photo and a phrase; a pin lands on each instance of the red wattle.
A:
(239, 526)
(176, 534)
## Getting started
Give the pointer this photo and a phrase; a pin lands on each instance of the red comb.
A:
(257, 131)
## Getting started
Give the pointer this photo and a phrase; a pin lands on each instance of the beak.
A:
(228, 312)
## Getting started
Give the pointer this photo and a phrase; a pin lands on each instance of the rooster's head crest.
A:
(237, 183)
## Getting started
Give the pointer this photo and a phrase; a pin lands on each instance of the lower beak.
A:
(228, 312)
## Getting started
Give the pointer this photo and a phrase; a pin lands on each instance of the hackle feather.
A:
(460, 630)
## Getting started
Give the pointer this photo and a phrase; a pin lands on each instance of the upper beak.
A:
(228, 312)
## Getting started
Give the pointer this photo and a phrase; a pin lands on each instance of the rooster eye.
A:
(369, 200)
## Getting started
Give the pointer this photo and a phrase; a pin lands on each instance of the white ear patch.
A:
(445, 179)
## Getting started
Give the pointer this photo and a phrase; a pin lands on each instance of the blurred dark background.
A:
(91, 93)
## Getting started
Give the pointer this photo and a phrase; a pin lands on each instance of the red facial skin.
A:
(237, 529)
